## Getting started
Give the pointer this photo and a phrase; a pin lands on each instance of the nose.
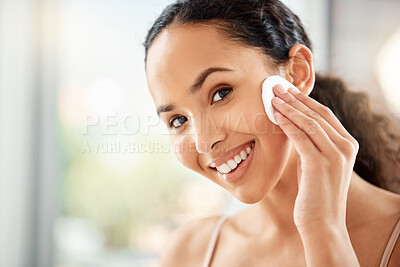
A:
(207, 132)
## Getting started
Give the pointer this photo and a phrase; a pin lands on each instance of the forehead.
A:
(179, 53)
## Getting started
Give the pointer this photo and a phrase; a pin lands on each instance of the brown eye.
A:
(221, 94)
(177, 121)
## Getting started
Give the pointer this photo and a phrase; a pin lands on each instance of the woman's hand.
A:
(327, 154)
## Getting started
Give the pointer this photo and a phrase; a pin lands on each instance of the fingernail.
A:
(280, 89)
(278, 114)
(294, 90)
(278, 100)
(278, 117)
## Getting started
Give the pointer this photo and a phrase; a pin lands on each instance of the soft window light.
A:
(388, 70)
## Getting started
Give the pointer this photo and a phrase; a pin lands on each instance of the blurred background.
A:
(87, 173)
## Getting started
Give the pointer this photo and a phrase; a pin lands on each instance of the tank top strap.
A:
(213, 241)
(390, 245)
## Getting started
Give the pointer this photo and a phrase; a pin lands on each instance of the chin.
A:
(252, 194)
(249, 199)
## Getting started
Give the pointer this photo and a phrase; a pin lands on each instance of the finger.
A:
(303, 144)
(294, 102)
(326, 113)
(298, 170)
(308, 125)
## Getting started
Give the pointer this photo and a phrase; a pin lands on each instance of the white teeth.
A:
(232, 164)
(243, 155)
(225, 168)
(238, 159)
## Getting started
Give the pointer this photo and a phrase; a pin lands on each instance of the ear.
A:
(300, 68)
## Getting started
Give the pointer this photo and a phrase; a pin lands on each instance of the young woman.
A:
(205, 64)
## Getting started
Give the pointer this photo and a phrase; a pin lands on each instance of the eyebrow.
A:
(165, 108)
(195, 87)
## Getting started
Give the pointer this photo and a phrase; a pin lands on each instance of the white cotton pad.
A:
(268, 94)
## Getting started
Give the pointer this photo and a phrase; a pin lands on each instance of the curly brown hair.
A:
(378, 158)
(272, 27)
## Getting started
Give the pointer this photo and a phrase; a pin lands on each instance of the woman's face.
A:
(223, 113)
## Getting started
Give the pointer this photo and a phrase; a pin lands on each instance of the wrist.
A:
(318, 228)
(328, 245)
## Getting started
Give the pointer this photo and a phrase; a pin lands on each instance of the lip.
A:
(240, 170)
(229, 155)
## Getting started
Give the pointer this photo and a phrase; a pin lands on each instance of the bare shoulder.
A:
(394, 259)
(371, 238)
(188, 243)
(393, 222)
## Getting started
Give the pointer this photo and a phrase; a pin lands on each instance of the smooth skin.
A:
(309, 207)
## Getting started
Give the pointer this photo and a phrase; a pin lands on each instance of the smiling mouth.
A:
(235, 161)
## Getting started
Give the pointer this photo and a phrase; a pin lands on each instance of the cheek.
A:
(272, 156)
(185, 151)
(248, 116)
